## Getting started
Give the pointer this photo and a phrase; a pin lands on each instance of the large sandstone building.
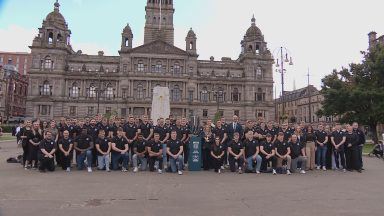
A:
(68, 83)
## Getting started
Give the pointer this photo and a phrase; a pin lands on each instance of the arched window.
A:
(140, 66)
(47, 64)
(59, 38)
(126, 42)
(92, 91)
(257, 48)
(204, 95)
(140, 91)
(176, 93)
(158, 67)
(191, 45)
(109, 91)
(46, 89)
(50, 37)
(74, 90)
(260, 95)
(250, 48)
(236, 97)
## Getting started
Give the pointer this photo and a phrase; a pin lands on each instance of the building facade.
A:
(21, 60)
(301, 105)
(68, 83)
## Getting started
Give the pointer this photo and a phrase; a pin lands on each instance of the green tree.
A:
(357, 93)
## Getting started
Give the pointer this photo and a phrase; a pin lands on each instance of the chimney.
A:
(372, 38)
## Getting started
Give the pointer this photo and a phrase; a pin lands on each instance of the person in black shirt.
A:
(352, 150)
(34, 137)
(283, 152)
(162, 130)
(267, 150)
(222, 133)
(120, 148)
(297, 154)
(217, 154)
(46, 154)
(271, 130)
(186, 137)
(175, 151)
(207, 141)
(23, 134)
(236, 154)
(252, 151)
(309, 138)
(83, 146)
(146, 129)
(103, 147)
(155, 153)
(361, 136)
(66, 146)
(338, 140)
(140, 153)
(131, 131)
(321, 152)
(286, 131)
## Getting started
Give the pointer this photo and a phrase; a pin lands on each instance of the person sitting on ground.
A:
(217, 153)
(155, 153)
(120, 150)
(297, 154)
(252, 151)
(283, 152)
(140, 153)
(175, 152)
(267, 150)
(236, 154)
(46, 154)
(83, 146)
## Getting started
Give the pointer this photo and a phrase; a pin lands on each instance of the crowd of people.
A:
(137, 144)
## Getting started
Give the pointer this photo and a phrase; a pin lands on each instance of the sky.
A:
(321, 35)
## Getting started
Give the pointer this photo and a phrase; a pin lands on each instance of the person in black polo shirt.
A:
(283, 152)
(361, 136)
(297, 154)
(271, 130)
(46, 154)
(155, 153)
(352, 150)
(286, 131)
(185, 140)
(217, 153)
(146, 129)
(120, 150)
(84, 145)
(66, 147)
(162, 130)
(175, 151)
(131, 130)
(140, 153)
(338, 139)
(103, 147)
(267, 150)
(252, 151)
(321, 152)
(236, 153)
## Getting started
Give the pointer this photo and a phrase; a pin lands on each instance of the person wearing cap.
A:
(83, 146)
(236, 154)
(267, 150)
(252, 151)
(283, 152)
(155, 153)
(120, 150)
(140, 153)
(297, 154)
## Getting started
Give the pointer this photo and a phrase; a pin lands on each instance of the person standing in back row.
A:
(309, 138)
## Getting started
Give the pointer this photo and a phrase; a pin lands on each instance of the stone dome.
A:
(191, 33)
(253, 31)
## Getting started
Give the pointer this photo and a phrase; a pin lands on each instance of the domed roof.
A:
(127, 29)
(253, 30)
(55, 16)
(191, 33)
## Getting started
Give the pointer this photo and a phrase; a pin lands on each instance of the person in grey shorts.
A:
(297, 154)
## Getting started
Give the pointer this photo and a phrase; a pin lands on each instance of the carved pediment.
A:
(159, 47)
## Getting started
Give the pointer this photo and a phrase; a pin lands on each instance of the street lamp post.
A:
(285, 57)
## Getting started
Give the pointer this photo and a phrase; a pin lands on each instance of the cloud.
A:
(16, 38)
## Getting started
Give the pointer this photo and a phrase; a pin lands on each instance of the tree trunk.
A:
(375, 138)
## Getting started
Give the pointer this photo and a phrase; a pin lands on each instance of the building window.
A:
(205, 113)
(124, 93)
(74, 91)
(204, 95)
(260, 95)
(190, 96)
(236, 112)
(140, 66)
(72, 110)
(47, 64)
(44, 110)
(158, 67)
(46, 89)
(125, 68)
(191, 70)
(236, 96)
(259, 73)
(91, 111)
(109, 92)
(176, 94)
(140, 91)
(92, 91)
(108, 110)
(177, 68)
(123, 111)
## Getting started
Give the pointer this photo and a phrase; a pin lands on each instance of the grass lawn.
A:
(7, 137)
(367, 148)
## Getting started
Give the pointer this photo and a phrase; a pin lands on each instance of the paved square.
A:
(202, 193)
